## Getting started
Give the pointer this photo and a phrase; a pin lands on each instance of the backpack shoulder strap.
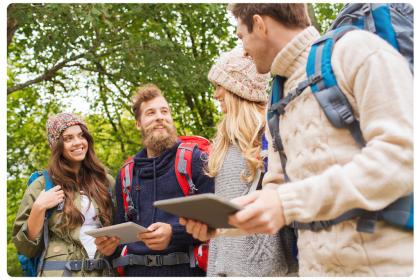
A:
(183, 168)
(126, 178)
(35, 175)
(48, 185)
(325, 87)
(273, 115)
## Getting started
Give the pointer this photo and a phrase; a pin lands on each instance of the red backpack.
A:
(183, 172)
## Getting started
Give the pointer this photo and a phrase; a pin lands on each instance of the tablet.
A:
(127, 232)
(207, 208)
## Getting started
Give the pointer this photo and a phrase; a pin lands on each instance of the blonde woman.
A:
(236, 163)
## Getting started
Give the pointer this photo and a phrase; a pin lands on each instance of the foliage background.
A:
(88, 58)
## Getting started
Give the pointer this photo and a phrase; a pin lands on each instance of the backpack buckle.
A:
(74, 265)
(153, 260)
(90, 265)
(346, 115)
(277, 108)
(131, 213)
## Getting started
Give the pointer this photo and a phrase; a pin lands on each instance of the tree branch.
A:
(46, 76)
(102, 86)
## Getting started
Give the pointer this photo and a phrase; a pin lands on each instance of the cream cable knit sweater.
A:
(329, 172)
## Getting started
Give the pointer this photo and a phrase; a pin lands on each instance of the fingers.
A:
(100, 240)
(57, 192)
(55, 188)
(182, 221)
(190, 225)
(147, 235)
(154, 226)
(203, 233)
(259, 224)
(241, 218)
(264, 215)
(197, 229)
(246, 199)
(193, 227)
(107, 245)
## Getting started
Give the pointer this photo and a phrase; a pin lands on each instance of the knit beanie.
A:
(58, 123)
(238, 74)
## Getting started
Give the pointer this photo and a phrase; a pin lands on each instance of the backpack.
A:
(183, 172)
(31, 266)
(394, 24)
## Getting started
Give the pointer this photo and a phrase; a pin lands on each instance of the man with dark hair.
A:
(166, 249)
(328, 172)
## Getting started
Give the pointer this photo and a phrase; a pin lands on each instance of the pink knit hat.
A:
(58, 123)
(238, 74)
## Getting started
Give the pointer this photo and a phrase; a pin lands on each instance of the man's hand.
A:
(107, 245)
(197, 229)
(159, 236)
(262, 213)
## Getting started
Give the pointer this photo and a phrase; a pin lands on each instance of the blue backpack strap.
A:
(326, 90)
(275, 110)
(48, 185)
(34, 176)
(400, 213)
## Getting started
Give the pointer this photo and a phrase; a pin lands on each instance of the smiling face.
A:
(75, 144)
(156, 125)
(155, 116)
(255, 44)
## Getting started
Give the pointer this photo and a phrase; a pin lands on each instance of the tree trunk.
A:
(312, 16)
(12, 24)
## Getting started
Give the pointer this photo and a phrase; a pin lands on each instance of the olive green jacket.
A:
(63, 245)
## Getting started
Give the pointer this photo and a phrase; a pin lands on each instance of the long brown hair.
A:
(91, 179)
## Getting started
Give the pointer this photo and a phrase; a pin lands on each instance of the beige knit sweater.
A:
(329, 172)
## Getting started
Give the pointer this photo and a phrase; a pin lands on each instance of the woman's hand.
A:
(107, 245)
(49, 199)
(197, 229)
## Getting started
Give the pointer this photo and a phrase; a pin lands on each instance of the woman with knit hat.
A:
(79, 201)
(236, 162)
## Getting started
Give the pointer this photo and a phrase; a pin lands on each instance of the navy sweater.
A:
(154, 179)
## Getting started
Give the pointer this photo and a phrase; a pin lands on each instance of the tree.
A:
(100, 53)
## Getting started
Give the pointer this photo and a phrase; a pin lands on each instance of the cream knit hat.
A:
(238, 74)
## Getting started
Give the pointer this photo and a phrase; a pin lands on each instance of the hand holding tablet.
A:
(126, 232)
(206, 208)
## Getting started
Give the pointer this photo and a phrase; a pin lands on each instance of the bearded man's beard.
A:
(159, 141)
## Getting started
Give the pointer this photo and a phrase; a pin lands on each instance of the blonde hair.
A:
(242, 126)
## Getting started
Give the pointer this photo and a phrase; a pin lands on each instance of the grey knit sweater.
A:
(252, 255)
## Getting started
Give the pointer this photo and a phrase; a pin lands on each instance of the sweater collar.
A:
(295, 53)
(159, 164)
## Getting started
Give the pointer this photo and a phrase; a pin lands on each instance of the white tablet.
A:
(127, 232)
(207, 208)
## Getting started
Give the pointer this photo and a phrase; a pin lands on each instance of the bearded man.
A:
(154, 179)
